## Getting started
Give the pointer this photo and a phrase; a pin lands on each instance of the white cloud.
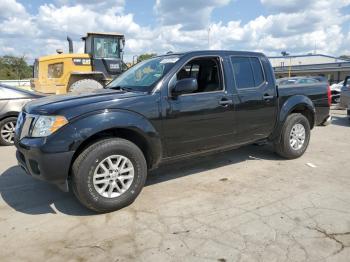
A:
(115, 5)
(9, 8)
(293, 6)
(287, 5)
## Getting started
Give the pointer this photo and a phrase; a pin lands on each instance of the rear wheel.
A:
(294, 138)
(109, 174)
(85, 85)
(7, 131)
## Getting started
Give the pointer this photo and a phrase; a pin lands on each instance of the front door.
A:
(203, 119)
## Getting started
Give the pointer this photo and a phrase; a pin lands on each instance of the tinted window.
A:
(243, 72)
(311, 81)
(258, 72)
(288, 82)
(307, 81)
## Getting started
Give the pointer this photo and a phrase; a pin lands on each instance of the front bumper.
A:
(50, 167)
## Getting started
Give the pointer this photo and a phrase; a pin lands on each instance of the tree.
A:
(145, 56)
(14, 68)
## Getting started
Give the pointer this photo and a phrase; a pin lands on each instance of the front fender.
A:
(70, 137)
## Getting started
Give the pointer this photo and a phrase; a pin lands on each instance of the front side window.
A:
(106, 47)
(206, 70)
(247, 71)
(144, 75)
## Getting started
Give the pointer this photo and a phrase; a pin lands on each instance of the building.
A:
(335, 69)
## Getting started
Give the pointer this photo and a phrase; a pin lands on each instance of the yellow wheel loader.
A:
(63, 73)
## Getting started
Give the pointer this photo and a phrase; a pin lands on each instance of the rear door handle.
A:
(225, 102)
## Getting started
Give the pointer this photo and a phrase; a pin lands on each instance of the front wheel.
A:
(109, 174)
(294, 138)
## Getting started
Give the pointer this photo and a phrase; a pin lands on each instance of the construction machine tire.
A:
(84, 86)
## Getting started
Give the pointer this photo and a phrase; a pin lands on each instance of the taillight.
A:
(329, 94)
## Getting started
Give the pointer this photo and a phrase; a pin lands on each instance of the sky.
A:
(39, 27)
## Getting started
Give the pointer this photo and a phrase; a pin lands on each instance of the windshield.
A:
(106, 47)
(144, 75)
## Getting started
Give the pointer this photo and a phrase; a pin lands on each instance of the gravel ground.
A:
(243, 205)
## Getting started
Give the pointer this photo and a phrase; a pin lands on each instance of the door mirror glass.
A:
(185, 86)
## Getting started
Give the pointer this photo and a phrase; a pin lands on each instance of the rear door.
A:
(256, 110)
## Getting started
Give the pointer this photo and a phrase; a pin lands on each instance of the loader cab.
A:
(106, 52)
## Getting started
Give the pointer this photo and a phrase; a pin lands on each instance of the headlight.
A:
(55, 70)
(47, 125)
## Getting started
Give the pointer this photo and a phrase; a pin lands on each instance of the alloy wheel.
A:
(297, 136)
(8, 132)
(113, 176)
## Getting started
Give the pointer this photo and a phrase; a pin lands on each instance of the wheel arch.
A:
(295, 104)
(9, 114)
(125, 133)
(123, 124)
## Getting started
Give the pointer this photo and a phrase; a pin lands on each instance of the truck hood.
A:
(59, 104)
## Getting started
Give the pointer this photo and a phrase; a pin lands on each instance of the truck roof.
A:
(215, 52)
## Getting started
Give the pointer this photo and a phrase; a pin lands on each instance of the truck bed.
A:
(317, 93)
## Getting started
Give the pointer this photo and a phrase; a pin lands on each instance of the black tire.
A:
(84, 167)
(282, 145)
(3, 128)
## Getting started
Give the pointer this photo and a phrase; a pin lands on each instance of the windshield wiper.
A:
(122, 88)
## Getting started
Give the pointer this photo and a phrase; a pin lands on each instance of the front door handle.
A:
(267, 97)
(226, 102)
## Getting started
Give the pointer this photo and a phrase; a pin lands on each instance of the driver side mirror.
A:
(185, 86)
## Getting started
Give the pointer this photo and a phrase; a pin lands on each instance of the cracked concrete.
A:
(242, 205)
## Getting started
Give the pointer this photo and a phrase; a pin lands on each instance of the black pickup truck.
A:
(165, 108)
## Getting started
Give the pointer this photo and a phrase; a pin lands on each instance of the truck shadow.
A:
(30, 196)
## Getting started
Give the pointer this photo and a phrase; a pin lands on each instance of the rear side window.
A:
(243, 72)
(247, 71)
(258, 73)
